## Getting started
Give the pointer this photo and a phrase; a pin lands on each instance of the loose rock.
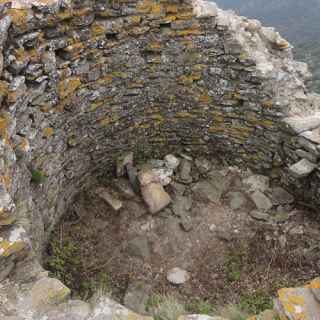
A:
(104, 194)
(155, 197)
(281, 196)
(178, 276)
(204, 190)
(185, 171)
(171, 161)
(261, 201)
(302, 168)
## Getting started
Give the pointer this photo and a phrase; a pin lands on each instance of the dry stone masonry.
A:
(83, 81)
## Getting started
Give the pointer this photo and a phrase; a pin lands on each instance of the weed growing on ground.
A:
(256, 302)
(200, 306)
(164, 307)
(37, 177)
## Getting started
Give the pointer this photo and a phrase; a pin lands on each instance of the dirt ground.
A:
(228, 254)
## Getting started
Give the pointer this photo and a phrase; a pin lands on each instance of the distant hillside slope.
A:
(297, 20)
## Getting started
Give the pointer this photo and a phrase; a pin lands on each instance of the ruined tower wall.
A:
(84, 81)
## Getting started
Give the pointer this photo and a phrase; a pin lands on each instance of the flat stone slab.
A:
(155, 197)
(257, 182)
(178, 276)
(261, 201)
(281, 196)
(302, 168)
(104, 194)
(302, 124)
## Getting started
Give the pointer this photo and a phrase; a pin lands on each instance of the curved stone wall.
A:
(84, 81)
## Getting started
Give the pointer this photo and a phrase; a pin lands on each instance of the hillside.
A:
(297, 20)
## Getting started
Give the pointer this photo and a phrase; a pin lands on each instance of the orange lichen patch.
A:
(45, 108)
(315, 284)
(188, 15)
(188, 32)
(97, 28)
(235, 131)
(6, 181)
(4, 129)
(64, 14)
(7, 221)
(171, 8)
(19, 16)
(144, 6)
(267, 104)
(108, 120)
(68, 86)
(154, 46)
(106, 79)
(156, 9)
(48, 132)
(135, 19)
(75, 48)
(189, 79)
(204, 98)
(24, 145)
(82, 12)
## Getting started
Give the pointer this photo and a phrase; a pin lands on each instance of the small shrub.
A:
(199, 306)
(37, 177)
(256, 303)
(165, 307)
(62, 257)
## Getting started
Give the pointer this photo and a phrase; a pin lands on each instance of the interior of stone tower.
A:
(158, 159)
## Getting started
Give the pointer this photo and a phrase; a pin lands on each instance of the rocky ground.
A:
(197, 230)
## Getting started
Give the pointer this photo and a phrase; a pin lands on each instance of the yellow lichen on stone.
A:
(4, 130)
(19, 16)
(292, 303)
(48, 132)
(314, 284)
(144, 6)
(97, 28)
(188, 32)
(68, 86)
(268, 104)
(156, 9)
(58, 296)
(7, 248)
(106, 121)
(3, 88)
(171, 8)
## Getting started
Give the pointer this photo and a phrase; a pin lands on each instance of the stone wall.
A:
(84, 81)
